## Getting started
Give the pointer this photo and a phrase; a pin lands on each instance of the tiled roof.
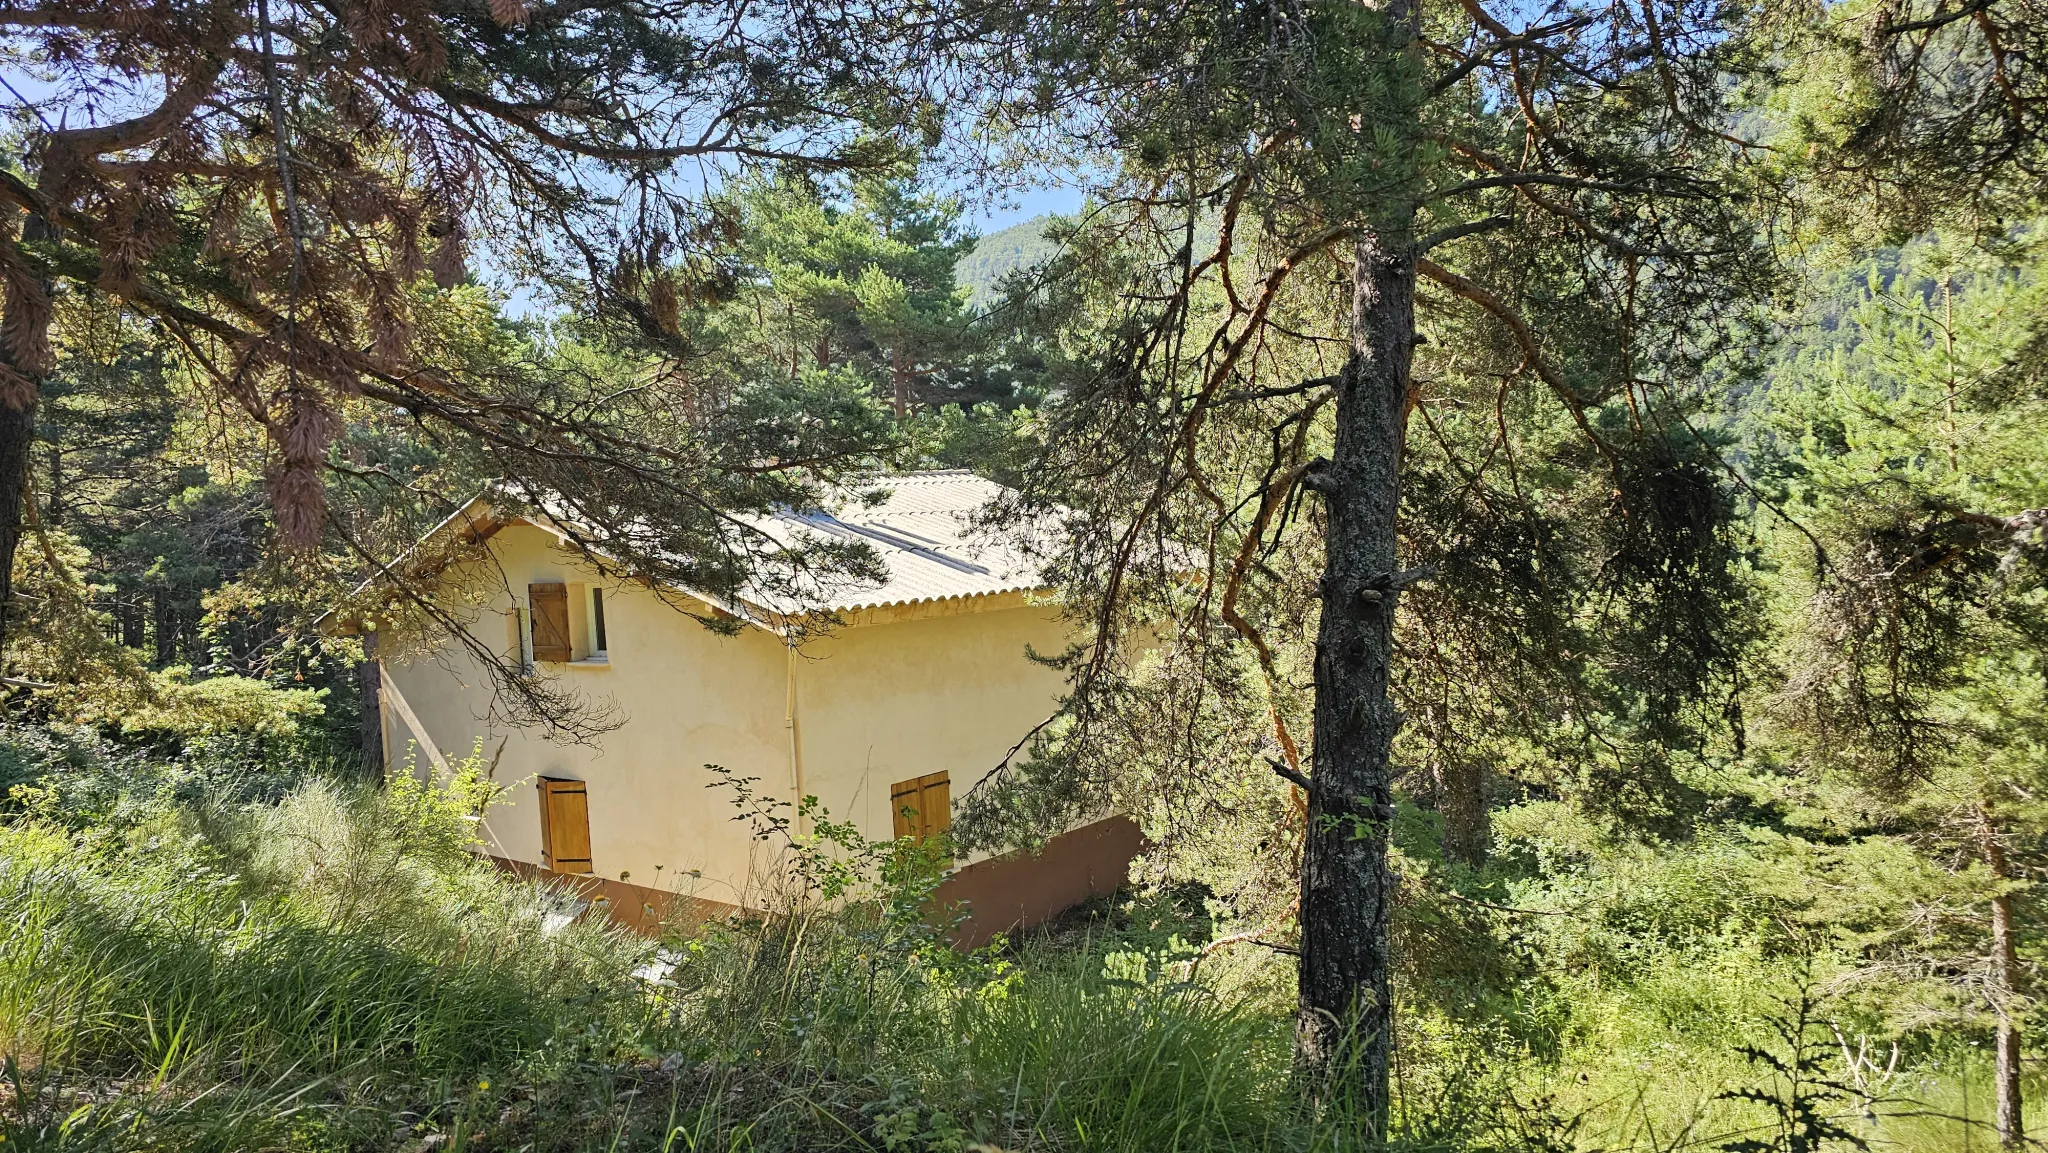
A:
(923, 532)
(925, 536)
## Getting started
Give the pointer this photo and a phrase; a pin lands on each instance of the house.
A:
(888, 718)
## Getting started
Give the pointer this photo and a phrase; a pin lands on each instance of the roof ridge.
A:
(927, 474)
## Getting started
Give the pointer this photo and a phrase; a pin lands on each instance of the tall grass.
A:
(928, 1050)
(142, 973)
(1130, 1068)
(303, 964)
(335, 970)
(330, 967)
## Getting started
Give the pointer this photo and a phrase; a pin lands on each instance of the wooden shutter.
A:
(564, 826)
(903, 808)
(937, 810)
(922, 807)
(550, 621)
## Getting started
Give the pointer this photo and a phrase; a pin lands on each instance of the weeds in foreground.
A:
(331, 971)
(328, 968)
(1809, 1108)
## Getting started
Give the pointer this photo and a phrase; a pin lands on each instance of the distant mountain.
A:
(1000, 253)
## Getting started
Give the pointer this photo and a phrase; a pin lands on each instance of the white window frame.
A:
(593, 607)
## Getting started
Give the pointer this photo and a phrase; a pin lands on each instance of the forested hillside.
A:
(1016, 248)
(1550, 506)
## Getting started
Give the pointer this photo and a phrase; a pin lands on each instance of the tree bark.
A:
(370, 683)
(54, 509)
(18, 416)
(166, 629)
(17, 439)
(899, 365)
(1344, 1021)
(129, 615)
(2005, 974)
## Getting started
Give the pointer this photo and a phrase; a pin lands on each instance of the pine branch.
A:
(1525, 338)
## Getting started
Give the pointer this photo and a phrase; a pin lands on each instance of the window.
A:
(598, 649)
(564, 825)
(923, 807)
(550, 605)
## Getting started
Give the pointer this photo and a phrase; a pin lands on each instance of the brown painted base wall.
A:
(1019, 891)
(637, 907)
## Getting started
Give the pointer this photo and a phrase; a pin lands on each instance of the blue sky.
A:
(987, 217)
(986, 212)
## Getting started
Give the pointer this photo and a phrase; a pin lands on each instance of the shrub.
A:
(337, 951)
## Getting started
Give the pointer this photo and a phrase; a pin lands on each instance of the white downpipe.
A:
(796, 762)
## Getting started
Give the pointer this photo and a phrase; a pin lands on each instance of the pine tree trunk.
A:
(2012, 1131)
(2005, 965)
(370, 683)
(17, 439)
(55, 509)
(18, 418)
(899, 365)
(166, 629)
(1343, 1029)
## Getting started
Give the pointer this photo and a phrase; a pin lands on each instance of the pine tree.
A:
(1571, 180)
(1904, 448)
(1916, 114)
(313, 176)
(856, 274)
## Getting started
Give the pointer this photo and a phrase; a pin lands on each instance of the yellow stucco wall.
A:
(894, 694)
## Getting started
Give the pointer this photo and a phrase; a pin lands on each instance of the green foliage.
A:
(75, 777)
(1018, 248)
(1699, 719)
(92, 680)
(214, 965)
(1807, 1105)
(332, 965)
(1924, 407)
(985, 439)
(175, 704)
(852, 278)
(334, 969)
(1895, 120)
